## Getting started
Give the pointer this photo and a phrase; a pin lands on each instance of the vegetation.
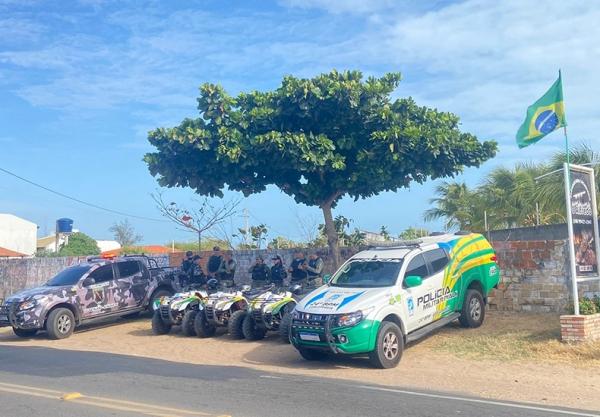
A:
(125, 234)
(207, 244)
(281, 242)
(324, 138)
(79, 244)
(509, 198)
(254, 237)
(413, 233)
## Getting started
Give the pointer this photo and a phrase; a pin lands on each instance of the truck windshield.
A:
(368, 273)
(69, 276)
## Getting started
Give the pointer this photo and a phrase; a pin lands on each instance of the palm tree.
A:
(551, 189)
(457, 205)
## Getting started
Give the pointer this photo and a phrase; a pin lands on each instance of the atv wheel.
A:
(157, 295)
(388, 346)
(312, 354)
(202, 327)
(60, 323)
(284, 327)
(473, 310)
(158, 324)
(236, 321)
(187, 324)
(24, 332)
(250, 330)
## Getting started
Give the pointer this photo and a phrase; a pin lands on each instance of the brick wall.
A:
(580, 328)
(534, 276)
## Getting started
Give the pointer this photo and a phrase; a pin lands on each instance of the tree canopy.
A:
(79, 244)
(125, 234)
(317, 140)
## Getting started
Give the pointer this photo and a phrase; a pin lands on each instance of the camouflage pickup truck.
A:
(98, 289)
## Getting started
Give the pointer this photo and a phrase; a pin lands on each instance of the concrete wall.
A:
(17, 234)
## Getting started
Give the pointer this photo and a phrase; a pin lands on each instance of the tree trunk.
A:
(332, 237)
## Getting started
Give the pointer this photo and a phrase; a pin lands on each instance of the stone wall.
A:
(17, 274)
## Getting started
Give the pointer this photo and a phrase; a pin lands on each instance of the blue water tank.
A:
(64, 225)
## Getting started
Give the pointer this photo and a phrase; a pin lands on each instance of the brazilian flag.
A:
(544, 116)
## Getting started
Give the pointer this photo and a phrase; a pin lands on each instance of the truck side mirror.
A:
(413, 281)
(326, 278)
(88, 281)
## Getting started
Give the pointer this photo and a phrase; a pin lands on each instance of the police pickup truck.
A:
(385, 297)
(98, 289)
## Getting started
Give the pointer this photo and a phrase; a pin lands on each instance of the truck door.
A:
(98, 297)
(132, 285)
(441, 291)
(413, 303)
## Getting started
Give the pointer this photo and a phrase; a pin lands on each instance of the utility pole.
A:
(246, 227)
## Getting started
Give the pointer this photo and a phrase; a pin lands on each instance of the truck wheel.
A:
(473, 310)
(157, 295)
(158, 324)
(236, 322)
(312, 354)
(250, 330)
(60, 323)
(24, 332)
(187, 324)
(388, 346)
(284, 327)
(202, 327)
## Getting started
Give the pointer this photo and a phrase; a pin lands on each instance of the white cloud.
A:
(484, 61)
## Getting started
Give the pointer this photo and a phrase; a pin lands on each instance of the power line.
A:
(120, 213)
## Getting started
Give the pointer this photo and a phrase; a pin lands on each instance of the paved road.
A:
(33, 380)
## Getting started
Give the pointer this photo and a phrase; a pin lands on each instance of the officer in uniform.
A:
(260, 273)
(314, 269)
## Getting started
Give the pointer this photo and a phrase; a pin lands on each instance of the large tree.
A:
(317, 139)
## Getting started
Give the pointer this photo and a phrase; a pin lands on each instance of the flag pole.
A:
(571, 241)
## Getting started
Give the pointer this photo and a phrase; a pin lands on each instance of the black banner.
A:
(582, 216)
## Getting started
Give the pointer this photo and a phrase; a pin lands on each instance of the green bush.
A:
(597, 302)
(587, 306)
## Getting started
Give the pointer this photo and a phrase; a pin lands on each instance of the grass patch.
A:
(511, 337)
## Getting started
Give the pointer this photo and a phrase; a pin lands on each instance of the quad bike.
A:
(271, 311)
(224, 309)
(179, 310)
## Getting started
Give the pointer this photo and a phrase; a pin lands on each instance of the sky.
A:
(82, 83)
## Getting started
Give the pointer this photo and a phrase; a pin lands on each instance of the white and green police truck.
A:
(382, 298)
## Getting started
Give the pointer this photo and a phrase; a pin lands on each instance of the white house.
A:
(108, 245)
(17, 234)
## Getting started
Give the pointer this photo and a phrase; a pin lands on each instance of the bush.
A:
(587, 306)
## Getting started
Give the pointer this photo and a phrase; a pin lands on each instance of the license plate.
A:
(3, 317)
(310, 337)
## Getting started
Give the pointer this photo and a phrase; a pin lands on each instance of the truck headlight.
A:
(27, 305)
(295, 315)
(351, 319)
